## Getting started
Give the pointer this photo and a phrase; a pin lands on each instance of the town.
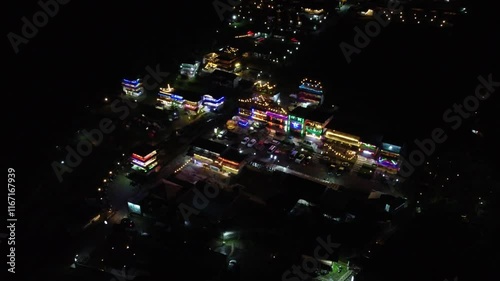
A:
(245, 162)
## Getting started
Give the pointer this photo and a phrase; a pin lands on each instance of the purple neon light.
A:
(276, 115)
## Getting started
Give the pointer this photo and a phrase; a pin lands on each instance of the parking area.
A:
(267, 152)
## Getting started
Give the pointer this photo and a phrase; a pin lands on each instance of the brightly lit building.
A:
(368, 150)
(232, 161)
(309, 123)
(314, 14)
(133, 88)
(217, 157)
(310, 94)
(144, 158)
(261, 110)
(212, 102)
(205, 153)
(168, 98)
(226, 59)
(389, 157)
(266, 90)
(338, 143)
(192, 102)
(342, 138)
(189, 69)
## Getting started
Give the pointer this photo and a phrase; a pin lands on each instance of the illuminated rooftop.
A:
(263, 103)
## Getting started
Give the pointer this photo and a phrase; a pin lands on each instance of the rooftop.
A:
(209, 145)
(233, 155)
(188, 95)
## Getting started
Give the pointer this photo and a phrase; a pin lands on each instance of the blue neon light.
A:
(243, 123)
(176, 97)
(303, 87)
(213, 100)
(133, 82)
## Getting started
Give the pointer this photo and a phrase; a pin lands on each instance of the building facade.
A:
(133, 88)
(143, 158)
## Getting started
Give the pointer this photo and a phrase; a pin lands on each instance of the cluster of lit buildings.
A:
(133, 88)
(192, 103)
(316, 126)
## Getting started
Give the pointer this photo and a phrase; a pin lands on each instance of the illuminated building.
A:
(309, 123)
(217, 157)
(259, 109)
(192, 101)
(310, 93)
(132, 88)
(171, 98)
(346, 139)
(226, 59)
(368, 150)
(232, 161)
(212, 102)
(296, 124)
(189, 70)
(314, 14)
(389, 157)
(144, 158)
(266, 90)
(206, 153)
